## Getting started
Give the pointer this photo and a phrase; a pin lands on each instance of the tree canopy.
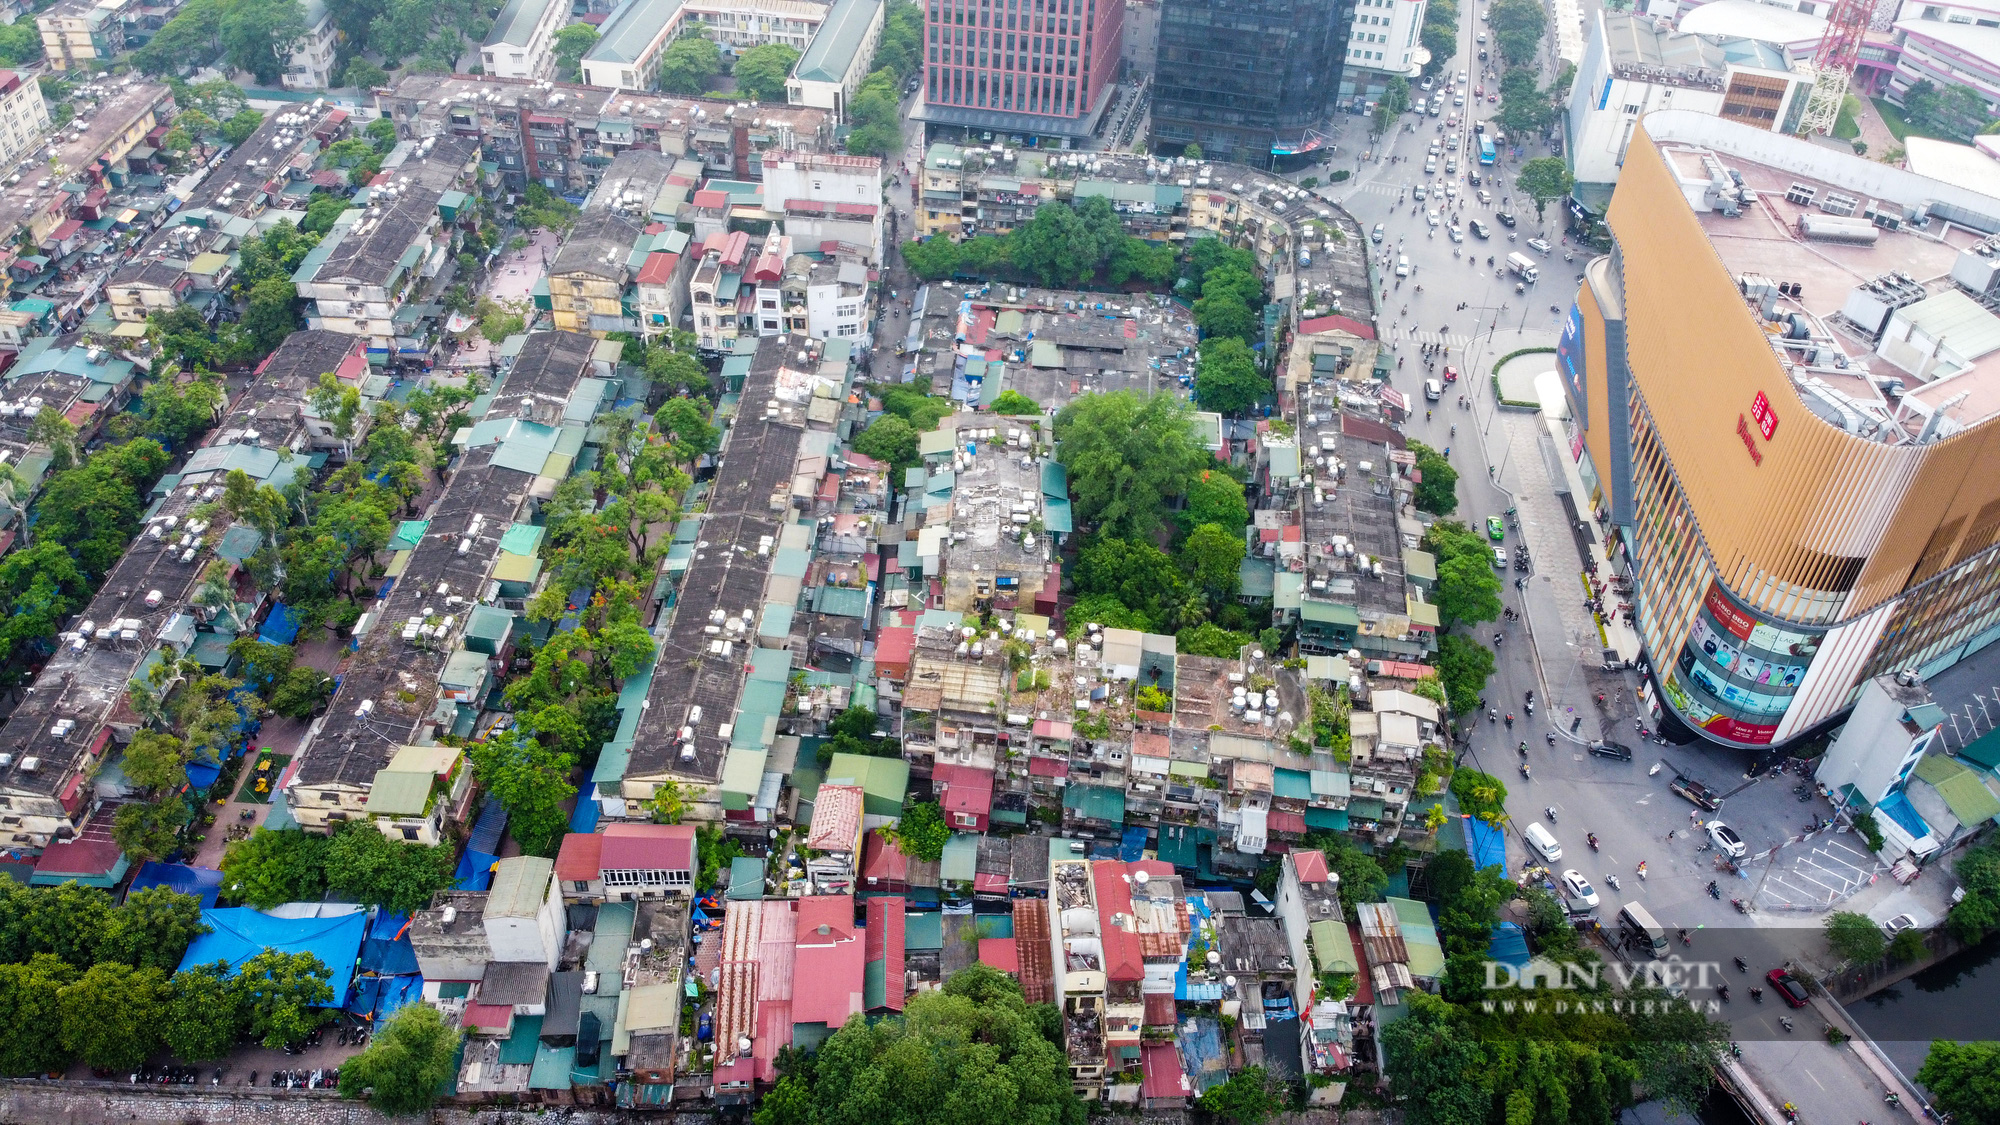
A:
(761, 71)
(1544, 179)
(1964, 1080)
(1127, 456)
(1227, 379)
(1467, 588)
(406, 1061)
(1437, 490)
(690, 66)
(531, 783)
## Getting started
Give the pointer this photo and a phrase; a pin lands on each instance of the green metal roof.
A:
(400, 793)
(840, 601)
(883, 780)
(522, 539)
(831, 54)
(631, 29)
(1331, 819)
(1096, 802)
(1984, 751)
(961, 857)
(1333, 947)
(1291, 784)
(1963, 790)
(746, 878)
(1330, 612)
(923, 930)
(489, 623)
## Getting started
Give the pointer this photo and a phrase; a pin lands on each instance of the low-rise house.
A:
(310, 64)
(644, 861)
(832, 67)
(829, 966)
(421, 793)
(522, 41)
(835, 839)
(524, 912)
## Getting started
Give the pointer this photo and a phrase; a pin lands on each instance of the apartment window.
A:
(409, 833)
(1631, 109)
(332, 797)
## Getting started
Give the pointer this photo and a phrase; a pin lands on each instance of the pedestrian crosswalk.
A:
(1376, 187)
(1450, 340)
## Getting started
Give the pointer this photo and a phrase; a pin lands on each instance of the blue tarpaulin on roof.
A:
(281, 627)
(1509, 945)
(203, 882)
(475, 870)
(1484, 843)
(387, 950)
(239, 933)
(489, 828)
(1133, 845)
(584, 819)
(378, 998)
(201, 775)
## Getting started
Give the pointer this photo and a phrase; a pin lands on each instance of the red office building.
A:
(1040, 69)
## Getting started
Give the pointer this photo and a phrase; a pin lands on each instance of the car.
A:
(1461, 78)
(1579, 888)
(1458, 99)
(1377, 233)
(1472, 176)
(1479, 91)
(1402, 265)
(1455, 234)
(1484, 196)
(1616, 750)
(1437, 105)
(1480, 229)
(1451, 189)
(1431, 217)
(1451, 166)
(1506, 218)
(1788, 987)
(1499, 558)
(1430, 165)
(1426, 84)
(1482, 54)
(1695, 791)
(1495, 530)
(1433, 390)
(1450, 373)
(1482, 16)
(1420, 192)
(1479, 128)
(1482, 38)
(1726, 840)
(1436, 149)
(1900, 923)
(1538, 245)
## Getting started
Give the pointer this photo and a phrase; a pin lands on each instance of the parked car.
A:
(1538, 245)
(1499, 558)
(1726, 840)
(1616, 750)
(1495, 530)
(1900, 923)
(1579, 888)
(1788, 987)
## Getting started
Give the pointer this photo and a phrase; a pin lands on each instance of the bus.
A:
(1486, 155)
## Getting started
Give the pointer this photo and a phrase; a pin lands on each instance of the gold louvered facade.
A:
(1779, 561)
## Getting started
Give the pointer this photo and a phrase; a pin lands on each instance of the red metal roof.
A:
(1122, 957)
(1278, 820)
(69, 227)
(1364, 989)
(493, 1017)
(710, 197)
(882, 863)
(865, 210)
(1001, 953)
(965, 789)
(578, 861)
(990, 882)
(895, 646)
(1164, 1076)
(1160, 1010)
(836, 818)
(1310, 865)
(1031, 947)
(1047, 767)
(828, 961)
(885, 944)
(659, 268)
(1054, 728)
(1336, 323)
(647, 847)
(79, 857)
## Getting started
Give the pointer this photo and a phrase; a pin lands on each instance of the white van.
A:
(1402, 265)
(1635, 920)
(1541, 841)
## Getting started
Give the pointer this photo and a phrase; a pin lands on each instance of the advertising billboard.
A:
(1569, 353)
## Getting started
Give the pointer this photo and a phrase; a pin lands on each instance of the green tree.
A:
(1014, 403)
(155, 760)
(1247, 1098)
(1127, 457)
(404, 1064)
(271, 314)
(285, 994)
(270, 868)
(1518, 26)
(150, 829)
(68, 920)
(204, 1016)
(531, 783)
(31, 1015)
(1210, 639)
(1524, 107)
(1437, 490)
(1854, 937)
(921, 833)
(20, 44)
(302, 692)
(1907, 946)
(1193, 152)
(1479, 794)
(176, 413)
(1139, 259)
(1361, 877)
(761, 71)
(497, 322)
(1211, 558)
(370, 868)
(1213, 496)
(690, 66)
(111, 1015)
(1225, 316)
(1140, 575)
(364, 74)
(889, 439)
(684, 421)
(1964, 1080)
(1227, 379)
(1056, 247)
(1544, 179)
(238, 128)
(572, 43)
(1467, 588)
(1396, 94)
(1464, 665)
(152, 929)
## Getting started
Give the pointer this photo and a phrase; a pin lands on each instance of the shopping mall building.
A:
(1784, 384)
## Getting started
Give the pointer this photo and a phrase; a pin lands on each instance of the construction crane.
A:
(1833, 65)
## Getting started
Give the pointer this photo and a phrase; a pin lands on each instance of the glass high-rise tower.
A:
(1248, 80)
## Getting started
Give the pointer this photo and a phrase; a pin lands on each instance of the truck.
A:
(1701, 795)
(1523, 266)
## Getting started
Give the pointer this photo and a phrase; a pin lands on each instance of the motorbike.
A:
(1612, 881)
(1591, 839)
(1550, 812)
(1714, 891)
(1510, 720)
(1742, 966)
(1524, 770)
(1741, 906)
